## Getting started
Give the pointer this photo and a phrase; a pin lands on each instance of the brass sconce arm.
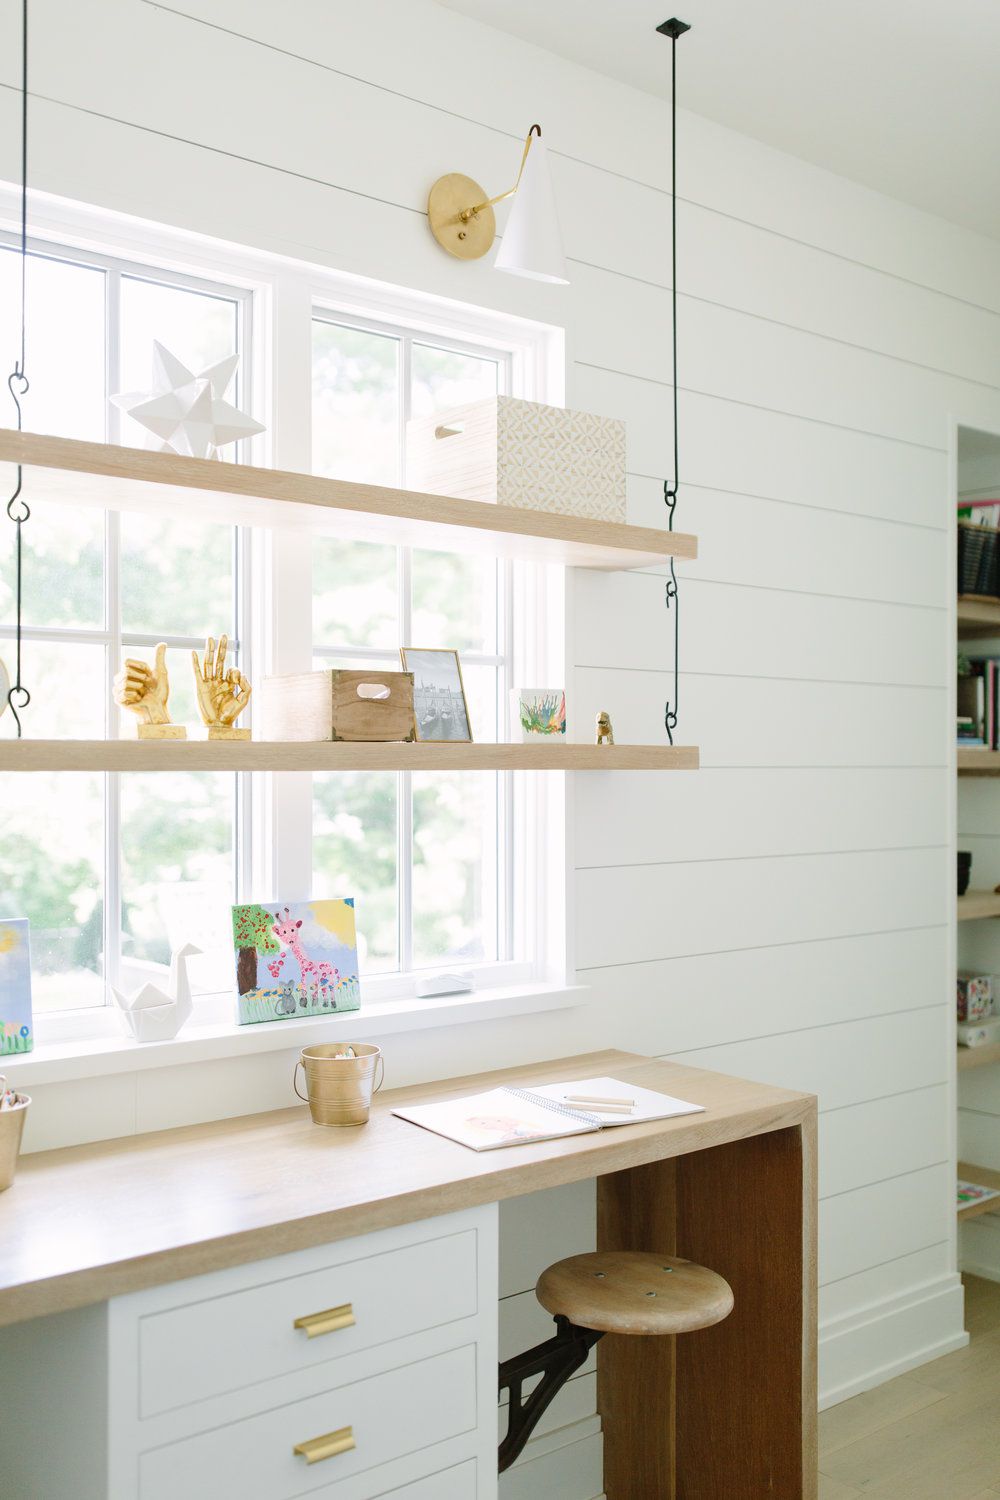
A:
(460, 214)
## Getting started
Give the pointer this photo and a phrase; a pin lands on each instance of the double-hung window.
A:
(113, 871)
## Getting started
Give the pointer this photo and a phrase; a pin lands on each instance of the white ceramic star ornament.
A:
(188, 412)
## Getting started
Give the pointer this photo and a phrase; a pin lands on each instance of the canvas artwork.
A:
(440, 711)
(15, 987)
(295, 960)
(540, 713)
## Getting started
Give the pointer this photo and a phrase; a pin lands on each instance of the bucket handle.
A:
(295, 1082)
(305, 1097)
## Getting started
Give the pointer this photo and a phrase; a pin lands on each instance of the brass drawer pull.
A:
(313, 1324)
(314, 1450)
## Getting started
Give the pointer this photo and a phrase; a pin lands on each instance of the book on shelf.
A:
(510, 1116)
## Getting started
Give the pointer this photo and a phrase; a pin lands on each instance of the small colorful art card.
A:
(15, 987)
(539, 714)
(297, 960)
(972, 1192)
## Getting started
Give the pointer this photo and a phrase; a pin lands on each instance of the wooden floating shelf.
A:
(70, 472)
(982, 1177)
(979, 762)
(978, 1057)
(978, 615)
(975, 905)
(268, 755)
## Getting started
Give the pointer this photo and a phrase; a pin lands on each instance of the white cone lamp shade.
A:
(532, 244)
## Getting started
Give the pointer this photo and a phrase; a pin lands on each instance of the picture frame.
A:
(439, 701)
(16, 1024)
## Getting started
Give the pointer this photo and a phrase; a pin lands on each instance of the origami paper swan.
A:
(153, 1015)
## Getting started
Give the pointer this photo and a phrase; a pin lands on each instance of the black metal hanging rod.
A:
(673, 29)
(17, 383)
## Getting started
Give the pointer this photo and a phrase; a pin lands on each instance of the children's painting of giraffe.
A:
(298, 959)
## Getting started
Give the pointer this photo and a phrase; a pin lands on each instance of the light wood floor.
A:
(931, 1435)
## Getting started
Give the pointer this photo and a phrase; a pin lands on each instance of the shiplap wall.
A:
(783, 913)
(978, 827)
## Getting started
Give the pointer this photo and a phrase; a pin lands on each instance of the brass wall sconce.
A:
(463, 222)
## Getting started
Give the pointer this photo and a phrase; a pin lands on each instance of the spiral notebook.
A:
(511, 1116)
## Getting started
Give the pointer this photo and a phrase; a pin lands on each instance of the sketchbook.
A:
(511, 1116)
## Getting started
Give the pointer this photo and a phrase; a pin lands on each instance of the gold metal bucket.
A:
(11, 1130)
(340, 1081)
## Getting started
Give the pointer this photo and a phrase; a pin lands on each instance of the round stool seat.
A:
(633, 1291)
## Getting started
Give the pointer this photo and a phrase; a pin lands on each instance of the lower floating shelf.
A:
(979, 762)
(271, 755)
(983, 1177)
(977, 904)
(978, 1057)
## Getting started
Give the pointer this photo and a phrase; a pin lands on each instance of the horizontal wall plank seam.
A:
(699, 579)
(929, 1166)
(182, 140)
(771, 411)
(902, 687)
(920, 1250)
(733, 859)
(805, 331)
(515, 136)
(923, 1088)
(767, 1036)
(830, 510)
(984, 1114)
(830, 937)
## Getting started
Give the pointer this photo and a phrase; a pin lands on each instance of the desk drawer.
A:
(229, 1341)
(458, 1483)
(390, 1416)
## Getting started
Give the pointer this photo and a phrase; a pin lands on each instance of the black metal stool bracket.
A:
(555, 1360)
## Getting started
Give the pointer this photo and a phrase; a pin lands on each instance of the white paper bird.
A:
(153, 1015)
(188, 412)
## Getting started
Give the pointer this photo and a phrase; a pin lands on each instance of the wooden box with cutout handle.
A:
(338, 705)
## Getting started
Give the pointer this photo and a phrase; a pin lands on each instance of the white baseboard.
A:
(863, 1349)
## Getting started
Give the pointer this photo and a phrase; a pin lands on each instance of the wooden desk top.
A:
(91, 1222)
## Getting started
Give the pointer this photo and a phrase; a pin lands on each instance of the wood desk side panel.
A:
(746, 1389)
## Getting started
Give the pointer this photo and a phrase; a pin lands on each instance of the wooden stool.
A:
(612, 1291)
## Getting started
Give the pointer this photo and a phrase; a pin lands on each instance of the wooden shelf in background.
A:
(982, 1177)
(69, 472)
(978, 615)
(979, 762)
(268, 755)
(975, 905)
(978, 1057)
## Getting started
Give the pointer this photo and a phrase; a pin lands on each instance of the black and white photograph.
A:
(439, 707)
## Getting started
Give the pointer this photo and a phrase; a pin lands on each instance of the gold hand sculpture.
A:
(222, 694)
(144, 690)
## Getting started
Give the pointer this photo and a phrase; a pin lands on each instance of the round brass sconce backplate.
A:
(449, 198)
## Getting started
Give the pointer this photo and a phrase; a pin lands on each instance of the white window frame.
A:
(281, 295)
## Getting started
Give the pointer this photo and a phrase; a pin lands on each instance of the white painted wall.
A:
(782, 914)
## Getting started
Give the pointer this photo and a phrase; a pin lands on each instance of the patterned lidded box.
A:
(523, 454)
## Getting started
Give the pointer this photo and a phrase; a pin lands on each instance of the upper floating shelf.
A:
(978, 615)
(269, 755)
(76, 473)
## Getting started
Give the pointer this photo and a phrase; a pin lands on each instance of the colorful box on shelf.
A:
(974, 996)
(365, 706)
(522, 454)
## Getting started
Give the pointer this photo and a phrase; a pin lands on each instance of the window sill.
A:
(64, 1061)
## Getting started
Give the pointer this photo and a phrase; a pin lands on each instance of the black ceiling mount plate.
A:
(674, 28)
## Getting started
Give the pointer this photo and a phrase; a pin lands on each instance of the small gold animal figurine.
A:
(222, 694)
(605, 734)
(144, 690)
